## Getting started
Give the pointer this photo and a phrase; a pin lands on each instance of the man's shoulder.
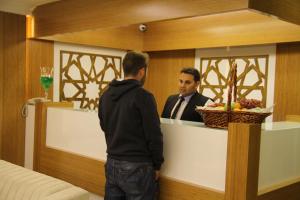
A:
(199, 99)
(198, 95)
(173, 96)
(141, 92)
(105, 92)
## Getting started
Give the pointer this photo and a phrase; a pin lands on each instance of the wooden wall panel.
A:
(39, 53)
(163, 72)
(293, 118)
(287, 84)
(1, 76)
(13, 85)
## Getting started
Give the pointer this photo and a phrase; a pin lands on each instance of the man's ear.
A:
(142, 72)
(197, 84)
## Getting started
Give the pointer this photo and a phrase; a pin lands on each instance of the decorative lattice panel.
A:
(252, 74)
(85, 76)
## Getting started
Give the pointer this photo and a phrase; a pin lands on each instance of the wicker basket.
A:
(220, 119)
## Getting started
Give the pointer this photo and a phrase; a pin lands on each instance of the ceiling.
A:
(171, 24)
(22, 7)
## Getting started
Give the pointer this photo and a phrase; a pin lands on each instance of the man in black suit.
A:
(182, 106)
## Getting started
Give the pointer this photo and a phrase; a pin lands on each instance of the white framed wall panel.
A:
(263, 51)
(64, 53)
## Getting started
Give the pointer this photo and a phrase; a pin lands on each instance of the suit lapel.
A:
(173, 102)
(190, 106)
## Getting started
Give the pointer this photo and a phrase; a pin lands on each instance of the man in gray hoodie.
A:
(128, 116)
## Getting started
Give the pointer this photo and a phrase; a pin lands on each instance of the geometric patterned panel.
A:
(85, 76)
(252, 76)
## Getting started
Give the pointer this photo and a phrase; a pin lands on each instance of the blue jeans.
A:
(129, 180)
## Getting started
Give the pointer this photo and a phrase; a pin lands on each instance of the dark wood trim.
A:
(290, 192)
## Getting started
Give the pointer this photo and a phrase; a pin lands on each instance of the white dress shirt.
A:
(182, 106)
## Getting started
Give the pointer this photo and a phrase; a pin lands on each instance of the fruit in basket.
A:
(250, 103)
(214, 105)
(232, 106)
(220, 108)
(237, 105)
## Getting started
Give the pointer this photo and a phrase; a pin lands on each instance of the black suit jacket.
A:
(189, 112)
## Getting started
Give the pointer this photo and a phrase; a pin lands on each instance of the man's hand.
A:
(156, 175)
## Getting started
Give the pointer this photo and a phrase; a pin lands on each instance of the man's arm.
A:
(100, 114)
(151, 126)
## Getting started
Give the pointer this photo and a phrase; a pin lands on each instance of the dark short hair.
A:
(134, 61)
(192, 71)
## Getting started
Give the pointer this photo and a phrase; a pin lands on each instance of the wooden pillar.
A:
(39, 121)
(242, 161)
(1, 76)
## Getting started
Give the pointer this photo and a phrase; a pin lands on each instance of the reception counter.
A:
(187, 145)
(200, 162)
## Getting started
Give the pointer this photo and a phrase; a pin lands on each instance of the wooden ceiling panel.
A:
(227, 29)
(128, 38)
(171, 24)
(78, 15)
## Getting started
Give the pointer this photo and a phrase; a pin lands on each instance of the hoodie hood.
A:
(119, 88)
